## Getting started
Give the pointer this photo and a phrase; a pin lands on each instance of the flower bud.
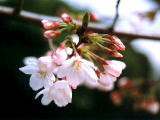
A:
(93, 17)
(112, 46)
(108, 36)
(125, 83)
(66, 18)
(49, 24)
(152, 106)
(50, 34)
(116, 97)
(118, 42)
(116, 54)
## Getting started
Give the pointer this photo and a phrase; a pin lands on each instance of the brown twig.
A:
(18, 8)
(99, 28)
(115, 19)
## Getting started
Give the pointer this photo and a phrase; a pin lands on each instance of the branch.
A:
(115, 19)
(99, 28)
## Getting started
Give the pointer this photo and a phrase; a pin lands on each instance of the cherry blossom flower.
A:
(40, 71)
(103, 85)
(114, 67)
(76, 70)
(60, 92)
(106, 79)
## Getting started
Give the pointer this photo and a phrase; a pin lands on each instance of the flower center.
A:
(76, 64)
(42, 73)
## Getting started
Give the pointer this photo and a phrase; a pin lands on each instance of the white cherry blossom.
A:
(60, 92)
(112, 70)
(98, 85)
(114, 67)
(76, 70)
(40, 71)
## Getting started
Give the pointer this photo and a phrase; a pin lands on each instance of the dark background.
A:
(20, 39)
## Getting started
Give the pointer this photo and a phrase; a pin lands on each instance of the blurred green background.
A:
(20, 39)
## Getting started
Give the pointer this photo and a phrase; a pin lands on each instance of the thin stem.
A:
(50, 44)
(115, 19)
(18, 8)
(74, 48)
(94, 55)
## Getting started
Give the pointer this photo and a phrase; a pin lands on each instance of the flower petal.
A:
(29, 69)
(30, 61)
(48, 80)
(39, 93)
(89, 72)
(106, 79)
(114, 67)
(61, 93)
(63, 71)
(46, 100)
(36, 82)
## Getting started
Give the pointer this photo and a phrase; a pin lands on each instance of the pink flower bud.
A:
(125, 83)
(116, 97)
(117, 41)
(116, 54)
(112, 46)
(49, 24)
(152, 106)
(108, 36)
(93, 17)
(51, 34)
(62, 46)
(66, 18)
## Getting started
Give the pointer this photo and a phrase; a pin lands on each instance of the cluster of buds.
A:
(150, 105)
(142, 100)
(73, 63)
(111, 44)
(53, 29)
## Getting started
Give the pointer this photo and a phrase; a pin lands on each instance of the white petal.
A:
(55, 69)
(89, 72)
(74, 79)
(63, 71)
(48, 80)
(29, 69)
(46, 100)
(90, 64)
(61, 93)
(70, 61)
(69, 50)
(39, 93)
(89, 83)
(75, 38)
(106, 79)
(30, 61)
(62, 53)
(36, 82)
(105, 88)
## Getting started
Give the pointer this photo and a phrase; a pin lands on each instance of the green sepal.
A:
(86, 20)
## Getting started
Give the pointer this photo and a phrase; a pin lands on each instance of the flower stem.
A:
(50, 44)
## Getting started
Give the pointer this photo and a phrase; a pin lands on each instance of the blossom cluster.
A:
(73, 63)
(136, 91)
